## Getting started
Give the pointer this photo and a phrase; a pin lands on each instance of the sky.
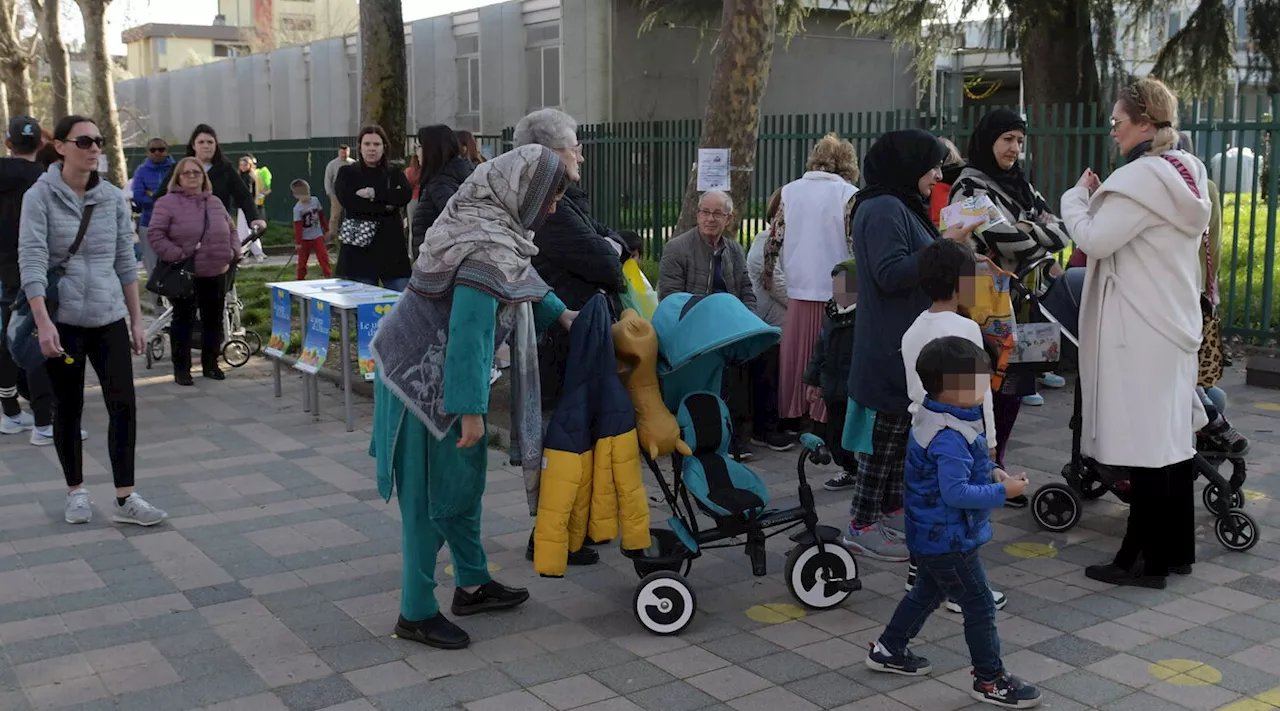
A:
(123, 14)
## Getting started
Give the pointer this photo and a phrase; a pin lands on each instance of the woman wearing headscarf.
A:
(809, 237)
(1029, 233)
(890, 227)
(1140, 330)
(473, 288)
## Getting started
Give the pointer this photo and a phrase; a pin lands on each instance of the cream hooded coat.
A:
(1140, 318)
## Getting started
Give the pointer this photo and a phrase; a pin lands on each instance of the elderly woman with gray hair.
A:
(577, 257)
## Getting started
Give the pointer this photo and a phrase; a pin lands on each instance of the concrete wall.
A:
(585, 26)
(502, 66)
(434, 71)
(665, 73)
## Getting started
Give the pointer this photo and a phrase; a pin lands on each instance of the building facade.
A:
(158, 48)
(483, 69)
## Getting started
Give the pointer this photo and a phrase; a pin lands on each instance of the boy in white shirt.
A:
(947, 273)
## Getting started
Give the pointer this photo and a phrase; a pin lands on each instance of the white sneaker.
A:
(139, 511)
(16, 425)
(998, 597)
(43, 436)
(78, 508)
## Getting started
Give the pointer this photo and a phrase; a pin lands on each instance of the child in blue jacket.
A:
(950, 488)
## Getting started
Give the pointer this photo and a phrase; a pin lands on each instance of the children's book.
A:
(978, 209)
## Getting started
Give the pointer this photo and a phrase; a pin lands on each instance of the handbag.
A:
(1210, 356)
(24, 341)
(359, 231)
(177, 280)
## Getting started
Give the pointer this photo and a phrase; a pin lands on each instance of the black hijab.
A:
(894, 165)
(982, 156)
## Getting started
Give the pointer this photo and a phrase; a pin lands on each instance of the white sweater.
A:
(931, 326)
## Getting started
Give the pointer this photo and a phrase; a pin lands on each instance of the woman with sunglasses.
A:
(74, 222)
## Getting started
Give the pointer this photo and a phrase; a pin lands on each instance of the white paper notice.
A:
(713, 169)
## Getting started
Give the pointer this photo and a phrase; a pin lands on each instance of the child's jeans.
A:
(1214, 401)
(959, 577)
(306, 248)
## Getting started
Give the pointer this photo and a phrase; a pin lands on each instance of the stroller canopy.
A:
(699, 335)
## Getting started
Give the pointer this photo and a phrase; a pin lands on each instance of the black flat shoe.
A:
(1016, 502)
(583, 556)
(1180, 569)
(435, 632)
(1115, 575)
(183, 379)
(493, 595)
(214, 373)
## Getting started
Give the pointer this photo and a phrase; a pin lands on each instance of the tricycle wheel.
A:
(818, 574)
(664, 603)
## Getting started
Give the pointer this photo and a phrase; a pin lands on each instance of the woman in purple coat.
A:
(189, 220)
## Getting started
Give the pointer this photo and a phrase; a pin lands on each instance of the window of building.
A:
(468, 66)
(162, 45)
(1242, 21)
(1175, 23)
(297, 23)
(542, 60)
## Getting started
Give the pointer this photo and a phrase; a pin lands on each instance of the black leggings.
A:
(1161, 527)
(14, 381)
(107, 349)
(209, 298)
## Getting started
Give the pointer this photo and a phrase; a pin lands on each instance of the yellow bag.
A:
(993, 311)
(639, 294)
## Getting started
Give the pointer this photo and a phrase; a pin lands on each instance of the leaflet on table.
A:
(368, 317)
(978, 209)
(281, 322)
(315, 346)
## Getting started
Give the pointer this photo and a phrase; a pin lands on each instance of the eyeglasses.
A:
(191, 173)
(84, 143)
(713, 214)
(1117, 121)
(158, 149)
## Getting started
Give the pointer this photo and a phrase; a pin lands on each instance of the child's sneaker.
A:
(872, 542)
(1222, 437)
(904, 663)
(999, 598)
(840, 482)
(1006, 690)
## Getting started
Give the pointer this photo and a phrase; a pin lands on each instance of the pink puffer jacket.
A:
(177, 223)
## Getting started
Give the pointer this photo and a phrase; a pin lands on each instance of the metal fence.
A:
(636, 174)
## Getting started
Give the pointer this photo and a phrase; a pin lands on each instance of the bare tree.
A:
(104, 112)
(16, 55)
(48, 19)
(384, 81)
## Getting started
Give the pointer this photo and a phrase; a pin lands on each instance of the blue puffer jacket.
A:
(948, 494)
(146, 183)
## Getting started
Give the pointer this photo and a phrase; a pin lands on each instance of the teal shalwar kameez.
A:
(440, 486)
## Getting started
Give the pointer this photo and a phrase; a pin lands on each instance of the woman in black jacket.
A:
(444, 169)
(227, 185)
(372, 193)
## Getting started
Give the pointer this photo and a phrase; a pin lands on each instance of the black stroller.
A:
(1057, 506)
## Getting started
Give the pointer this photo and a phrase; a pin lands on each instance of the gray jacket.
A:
(90, 292)
(687, 267)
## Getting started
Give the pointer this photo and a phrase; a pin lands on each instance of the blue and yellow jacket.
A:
(591, 478)
(948, 493)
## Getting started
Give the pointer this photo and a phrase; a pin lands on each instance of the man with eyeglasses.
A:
(702, 261)
(146, 182)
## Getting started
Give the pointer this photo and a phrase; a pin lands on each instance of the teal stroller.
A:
(697, 337)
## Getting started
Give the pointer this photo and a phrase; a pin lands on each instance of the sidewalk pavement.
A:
(275, 586)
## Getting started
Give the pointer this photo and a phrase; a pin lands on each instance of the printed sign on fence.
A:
(368, 316)
(315, 347)
(281, 322)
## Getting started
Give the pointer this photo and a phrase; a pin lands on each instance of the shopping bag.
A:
(639, 294)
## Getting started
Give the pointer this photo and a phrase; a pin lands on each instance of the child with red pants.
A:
(309, 228)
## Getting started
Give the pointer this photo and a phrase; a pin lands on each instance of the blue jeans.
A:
(959, 577)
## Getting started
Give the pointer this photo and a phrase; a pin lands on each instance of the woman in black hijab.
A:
(1030, 232)
(891, 226)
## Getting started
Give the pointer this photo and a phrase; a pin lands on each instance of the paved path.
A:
(275, 587)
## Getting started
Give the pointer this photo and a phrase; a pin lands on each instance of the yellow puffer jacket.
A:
(591, 479)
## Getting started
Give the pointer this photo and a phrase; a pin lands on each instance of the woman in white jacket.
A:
(1140, 326)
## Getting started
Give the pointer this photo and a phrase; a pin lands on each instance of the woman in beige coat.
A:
(1140, 329)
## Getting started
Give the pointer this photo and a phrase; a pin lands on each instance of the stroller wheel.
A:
(1217, 503)
(235, 352)
(254, 340)
(155, 349)
(818, 575)
(664, 603)
(1056, 507)
(1245, 535)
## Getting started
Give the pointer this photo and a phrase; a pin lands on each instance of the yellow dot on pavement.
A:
(1185, 672)
(1251, 495)
(775, 613)
(1249, 705)
(1031, 550)
(1272, 406)
(493, 568)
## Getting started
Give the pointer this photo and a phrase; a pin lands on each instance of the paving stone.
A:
(675, 696)
(1087, 688)
(1076, 651)
(317, 694)
(784, 667)
(829, 690)
(633, 676)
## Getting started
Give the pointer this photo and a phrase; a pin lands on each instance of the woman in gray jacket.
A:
(75, 224)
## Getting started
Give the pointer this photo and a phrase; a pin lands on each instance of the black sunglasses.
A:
(85, 142)
(158, 149)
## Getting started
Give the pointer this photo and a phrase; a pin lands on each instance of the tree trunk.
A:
(1058, 66)
(103, 90)
(13, 64)
(383, 78)
(732, 116)
(55, 50)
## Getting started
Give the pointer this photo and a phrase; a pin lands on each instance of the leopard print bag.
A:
(1210, 355)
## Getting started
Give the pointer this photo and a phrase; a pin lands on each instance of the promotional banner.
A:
(281, 322)
(368, 316)
(315, 347)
